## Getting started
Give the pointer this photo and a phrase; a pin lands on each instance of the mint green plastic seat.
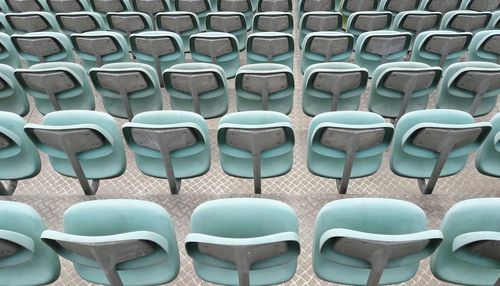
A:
(398, 88)
(12, 95)
(273, 22)
(81, 143)
(468, 254)
(26, 6)
(333, 86)
(228, 22)
(105, 6)
(322, 47)
(159, 49)
(347, 144)
(100, 47)
(347, 7)
(440, 48)
(197, 87)
(480, 5)
(367, 21)
(80, 22)
(415, 22)
(378, 47)
(198, 7)
(398, 6)
(306, 6)
(255, 144)
(40, 47)
(465, 21)
(57, 86)
(68, 6)
(270, 47)
(216, 48)
(371, 241)
(28, 22)
(470, 86)
(247, 7)
(185, 24)
(434, 143)
(489, 153)
(19, 159)
(127, 23)
(4, 25)
(127, 89)
(264, 87)
(485, 47)
(172, 145)
(244, 241)
(439, 5)
(118, 242)
(494, 22)
(319, 21)
(26, 260)
(8, 53)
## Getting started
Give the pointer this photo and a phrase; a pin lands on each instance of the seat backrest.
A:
(480, 5)
(366, 21)
(270, 47)
(198, 7)
(127, 23)
(319, 21)
(80, 22)
(273, 22)
(320, 47)
(8, 53)
(27, 22)
(68, 6)
(416, 22)
(485, 47)
(43, 47)
(234, 23)
(26, 6)
(397, 6)
(440, 6)
(105, 6)
(183, 23)
(347, 7)
(12, 95)
(489, 152)
(465, 21)
(151, 7)
(274, 6)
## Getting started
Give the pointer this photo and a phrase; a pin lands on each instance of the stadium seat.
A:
(367, 21)
(306, 6)
(17, 6)
(274, 6)
(468, 254)
(26, 260)
(494, 21)
(216, 48)
(197, 87)
(255, 144)
(465, 21)
(398, 88)
(318, 22)
(105, 6)
(434, 143)
(80, 22)
(439, 5)
(127, 89)
(228, 22)
(40, 47)
(371, 241)
(173, 145)
(118, 242)
(198, 7)
(347, 144)
(273, 22)
(333, 86)
(185, 24)
(485, 47)
(68, 6)
(398, 6)
(415, 22)
(242, 6)
(378, 47)
(19, 160)
(4, 25)
(270, 47)
(100, 47)
(322, 47)
(440, 48)
(472, 87)
(12, 95)
(264, 87)
(244, 241)
(28, 22)
(81, 143)
(8, 53)
(127, 23)
(151, 7)
(347, 7)
(480, 5)
(489, 153)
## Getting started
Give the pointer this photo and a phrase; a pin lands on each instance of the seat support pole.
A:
(343, 183)
(9, 190)
(446, 147)
(89, 189)
(174, 184)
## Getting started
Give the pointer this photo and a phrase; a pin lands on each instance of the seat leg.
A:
(257, 177)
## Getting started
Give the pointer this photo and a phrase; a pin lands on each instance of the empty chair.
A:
(242, 6)
(274, 5)
(244, 241)
(398, 88)
(228, 22)
(80, 22)
(151, 7)
(68, 6)
(480, 5)
(378, 47)
(347, 7)
(333, 86)
(273, 22)
(433, 143)
(216, 48)
(105, 6)
(4, 25)
(347, 144)
(320, 47)
(169, 144)
(465, 21)
(118, 242)
(100, 47)
(494, 22)
(26, 6)
(255, 144)
(24, 252)
(439, 5)
(127, 89)
(398, 6)
(18, 159)
(371, 241)
(415, 22)
(318, 22)
(468, 254)
(81, 143)
(366, 21)
(197, 87)
(185, 24)
(28, 22)
(440, 48)
(40, 47)
(472, 87)
(306, 6)
(57, 86)
(12, 95)
(198, 7)
(270, 47)
(485, 47)
(158, 49)
(8, 53)
(264, 87)
(127, 23)
(488, 155)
